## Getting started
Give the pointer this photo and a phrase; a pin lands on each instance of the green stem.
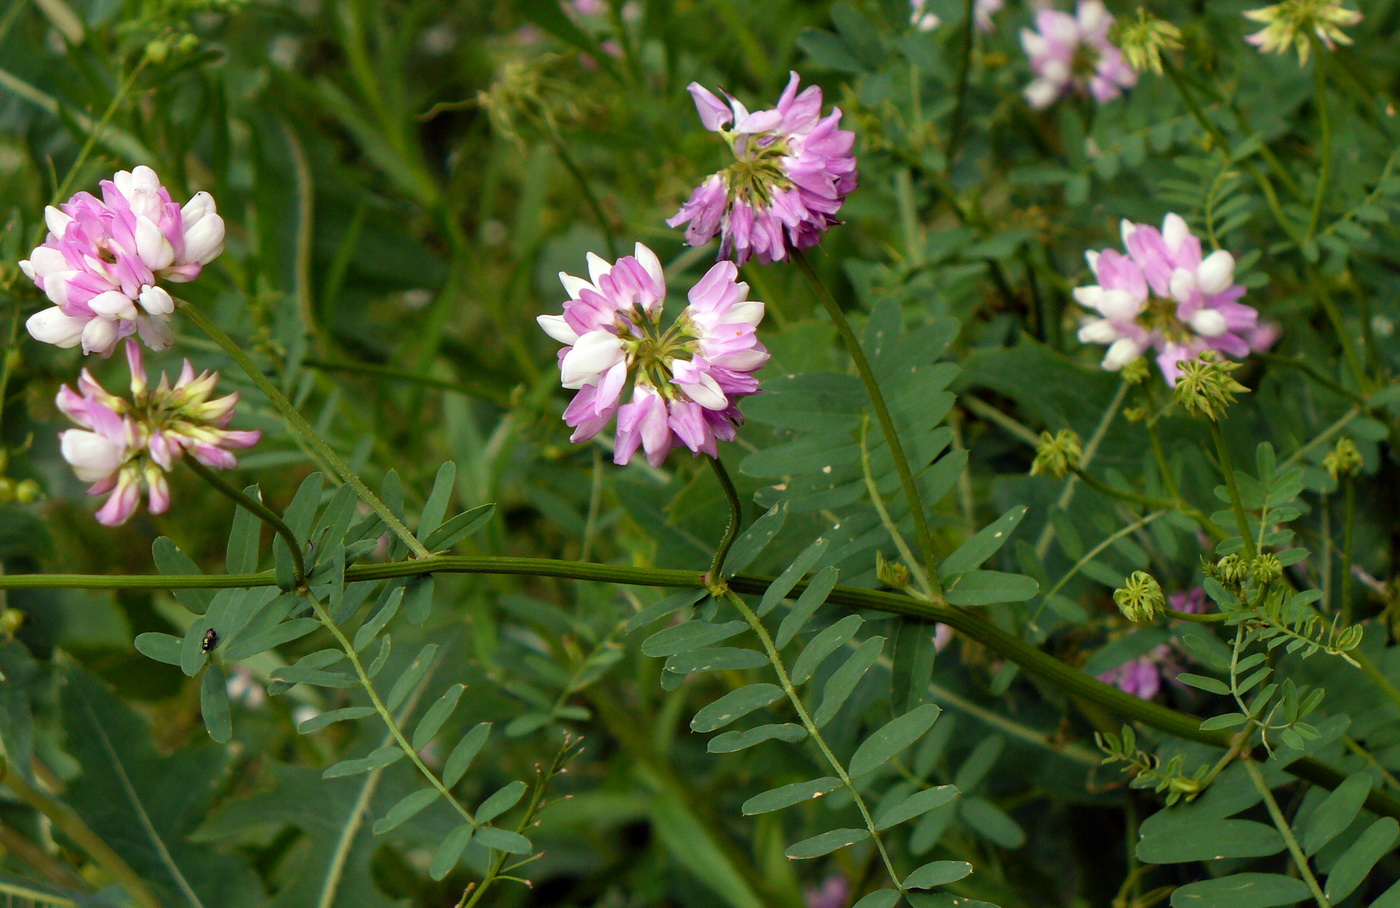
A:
(785, 682)
(965, 621)
(731, 529)
(955, 129)
(1281, 824)
(1324, 119)
(1042, 544)
(258, 510)
(1334, 315)
(1270, 196)
(1347, 539)
(390, 724)
(891, 527)
(71, 825)
(882, 413)
(1227, 467)
(302, 427)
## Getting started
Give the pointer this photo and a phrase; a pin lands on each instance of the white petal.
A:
(113, 304)
(1127, 228)
(597, 267)
(557, 328)
(204, 241)
(58, 221)
(52, 326)
(155, 330)
(1089, 297)
(1033, 42)
(92, 456)
(196, 209)
(1120, 353)
(1174, 230)
(1040, 94)
(44, 261)
(99, 334)
(746, 312)
(156, 300)
(573, 285)
(590, 356)
(155, 250)
(705, 392)
(1182, 285)
(1209, 323)
(1120, 305)
(1098, 331)
(1216, 273)
(1092, 258)
(648, 260)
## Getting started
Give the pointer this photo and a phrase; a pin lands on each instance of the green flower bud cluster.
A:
(1143, 41)
(1056, 455)
(1206, 387)
(1344, 460)
(1140, 598)
(893, 574)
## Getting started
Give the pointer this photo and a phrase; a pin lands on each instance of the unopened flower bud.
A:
(1265, 568)
(157, 51)
(1143, 41)
(1232, 568)
(1344, 460)
(28, 491)
(7, 490)
(893, 574)
(1058, 454)
(1135, 414)
(11, 620)
(1140, 597)
(1206, 387)
(1135, 371)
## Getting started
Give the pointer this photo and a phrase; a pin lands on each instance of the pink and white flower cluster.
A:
(982, 13)
(121, 445)
(1072, 54)
(104, 260)
(1164, 295)
(685, 379)
(793, 169)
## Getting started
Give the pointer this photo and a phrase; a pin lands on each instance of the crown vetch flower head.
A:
(685, 379)
(1165, 295)
(122, 445)
(1073, 54)
(1294, 23)
(793, 168)
(104, 260)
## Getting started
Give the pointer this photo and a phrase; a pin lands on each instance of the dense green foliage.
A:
(560, 693)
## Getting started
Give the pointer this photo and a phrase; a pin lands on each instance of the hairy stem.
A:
(303, 428)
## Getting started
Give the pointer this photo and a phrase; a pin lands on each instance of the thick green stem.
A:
(813, 732)
(71, 825)
(1281, 824)
(882, 413)
(258, 510)
(966, 621)
(731, 529)
(303, 428)
(1227, 467)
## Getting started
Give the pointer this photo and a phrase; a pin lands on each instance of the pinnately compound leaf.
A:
(971, 554)
(463, 754)
(682, 638)
(748, 546)
(734, 705)
(1335, 813)
(715, 659)
(732, 741)
(453, 844)
(410, 677)
(503, 840)
(330, 717)
(500, 801)
(1351, 868)
(827, 641)
(843, 681)
(1242, 890)
(788, 795)
(789, 578)
(937, 873)
(920, 802)
(436, 715)
(405, 809)
(892, 738)
(826, 843)
(807, 604)
(880, 898)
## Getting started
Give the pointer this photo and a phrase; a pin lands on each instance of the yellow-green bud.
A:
(158, 51)
(11, 620)
(1140, 597)
(1135, 414)
(1056, 455)
(1344, 460)
(28, 491)
(1206, 387)
(1135, 371)
(7, 490)
(1232, 568)
(893, 574)
(1265, 569)
(1143, 41)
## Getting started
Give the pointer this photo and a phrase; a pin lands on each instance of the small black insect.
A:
(211, 640)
